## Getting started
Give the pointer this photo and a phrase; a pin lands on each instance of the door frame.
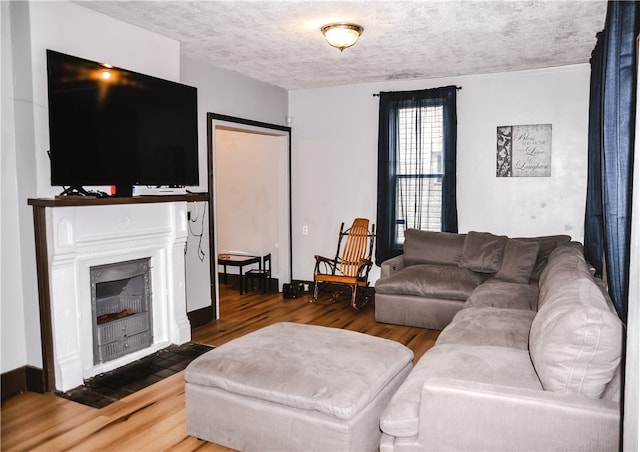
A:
(241, 124)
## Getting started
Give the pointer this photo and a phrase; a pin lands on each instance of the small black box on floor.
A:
(303, 286)
(289, 291)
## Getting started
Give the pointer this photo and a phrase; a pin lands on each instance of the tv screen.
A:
(111, 126)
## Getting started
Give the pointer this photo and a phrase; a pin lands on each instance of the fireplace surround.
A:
(82, 236)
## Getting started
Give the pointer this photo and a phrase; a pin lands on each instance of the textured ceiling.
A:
(279, 42)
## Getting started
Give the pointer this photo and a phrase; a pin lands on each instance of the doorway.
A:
(249, 167)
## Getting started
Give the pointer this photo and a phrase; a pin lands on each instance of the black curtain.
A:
(390, 103)
(611, 138)
(593, 223)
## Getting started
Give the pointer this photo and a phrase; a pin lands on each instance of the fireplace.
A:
(120, 309)
(109, 261)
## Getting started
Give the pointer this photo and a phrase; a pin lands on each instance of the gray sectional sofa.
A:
(439, 271)
(530, 353)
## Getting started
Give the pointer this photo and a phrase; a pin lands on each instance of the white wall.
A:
(335, 156)
(247, 191)
(524, 206)
(11, 288)
(631, 441)
(246, 201)
(632, 384)
(227, 93)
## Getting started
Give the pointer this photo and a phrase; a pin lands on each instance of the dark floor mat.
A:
(106, 388)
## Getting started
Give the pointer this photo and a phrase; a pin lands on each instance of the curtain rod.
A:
(458, 88)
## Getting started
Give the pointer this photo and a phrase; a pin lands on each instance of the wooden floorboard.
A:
(154, 418)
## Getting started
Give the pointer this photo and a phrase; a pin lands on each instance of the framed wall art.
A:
(523, 151)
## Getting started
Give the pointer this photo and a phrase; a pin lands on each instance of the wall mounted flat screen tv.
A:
(110, 126)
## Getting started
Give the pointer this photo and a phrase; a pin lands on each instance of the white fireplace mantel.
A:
(79, 237)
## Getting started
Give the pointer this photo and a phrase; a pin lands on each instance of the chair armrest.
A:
(323, 259)
(390, 266)
(467, 415)
(328, 265)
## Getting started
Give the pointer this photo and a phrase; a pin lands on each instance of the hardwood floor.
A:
(154, 418)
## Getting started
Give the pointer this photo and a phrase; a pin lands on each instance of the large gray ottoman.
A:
(295, 387)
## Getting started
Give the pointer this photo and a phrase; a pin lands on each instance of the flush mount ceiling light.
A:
(342, 35)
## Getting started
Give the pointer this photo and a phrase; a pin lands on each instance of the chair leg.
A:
(315, 292)
(365, 296)
(354, 294)
(335, 293)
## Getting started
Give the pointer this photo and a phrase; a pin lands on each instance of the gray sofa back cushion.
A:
(576, 340)
(547, 244)
(565, 264)
(518, 261)
(482, 252)
(427, 247)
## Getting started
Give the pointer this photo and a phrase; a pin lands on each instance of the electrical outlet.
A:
(305, 230)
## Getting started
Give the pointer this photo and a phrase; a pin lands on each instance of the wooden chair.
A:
(351, 265)
(263, 274)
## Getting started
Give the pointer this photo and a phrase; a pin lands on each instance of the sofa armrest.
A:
(390, 266)
(466, 415)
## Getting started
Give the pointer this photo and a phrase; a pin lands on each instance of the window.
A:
(419, 170)
(416, 166)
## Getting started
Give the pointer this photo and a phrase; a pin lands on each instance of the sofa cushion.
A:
(428, 247)
(518, 261)
(502, 294)
(566, 264)
(489, 326)
(440, 281)
(482, 252)
(576, 340)
(481, 364)
(547, 244)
